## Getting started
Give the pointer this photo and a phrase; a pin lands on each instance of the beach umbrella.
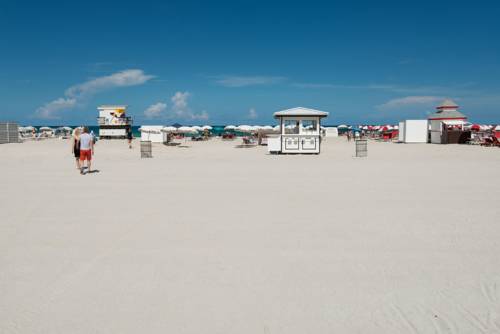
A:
(245, 128)
(484, 127)
(230, 127)
(45, 128)
(396, 127)
(475, 127)
(267, 129)
(169, 129)
(186, 129)
(197, 128)
(342, 126)
(206, 127)
(277, 128)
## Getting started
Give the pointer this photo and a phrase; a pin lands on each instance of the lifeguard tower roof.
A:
(448, 103)
(447, 110)
(104, 107)
(300, 111)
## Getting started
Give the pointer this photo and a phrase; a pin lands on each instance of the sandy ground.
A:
(212, 238)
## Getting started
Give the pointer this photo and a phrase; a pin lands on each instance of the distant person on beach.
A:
(94, 138)
(86, 150)
(129, 136)
(348, 135)
(75, 147)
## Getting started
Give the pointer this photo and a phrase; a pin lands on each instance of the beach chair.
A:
(487, 141)
(248, 141)
(228, 136)
(495, 141)
(197, 138)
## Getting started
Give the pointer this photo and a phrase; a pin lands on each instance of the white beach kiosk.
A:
(299, 131)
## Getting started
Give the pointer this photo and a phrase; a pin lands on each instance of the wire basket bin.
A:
(146, 149)
(9, 133)
(361, 148)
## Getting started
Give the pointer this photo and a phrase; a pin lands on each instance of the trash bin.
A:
(361, 148)
(146, 149)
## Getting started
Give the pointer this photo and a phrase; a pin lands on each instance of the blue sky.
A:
(220, 62)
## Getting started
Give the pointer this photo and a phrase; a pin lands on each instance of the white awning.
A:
(453, 122)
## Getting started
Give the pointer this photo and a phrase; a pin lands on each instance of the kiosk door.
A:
(309, 143)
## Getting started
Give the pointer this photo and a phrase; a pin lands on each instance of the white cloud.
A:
(203, 116)
(48, 110)
(252, 114)
(75, 95)
(180, 100)
(180, 108)
(242, 81)
(118, 79)
(410, 101)
(155, 110)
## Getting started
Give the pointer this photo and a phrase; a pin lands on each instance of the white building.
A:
(331, 132)
(113, 121)
(299, 131)
(446, 122)
(414, 131)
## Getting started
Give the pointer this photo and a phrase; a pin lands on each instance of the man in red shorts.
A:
(86, 149)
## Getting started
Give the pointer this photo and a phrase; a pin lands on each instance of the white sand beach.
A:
(211, 238)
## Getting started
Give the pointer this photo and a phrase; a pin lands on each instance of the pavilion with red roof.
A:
(446, 123)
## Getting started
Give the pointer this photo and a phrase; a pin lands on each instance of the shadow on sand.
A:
(245, 146)
(93, 171)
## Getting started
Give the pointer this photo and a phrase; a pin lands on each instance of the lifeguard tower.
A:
(113, 122)
(447, 124)
(299, 131)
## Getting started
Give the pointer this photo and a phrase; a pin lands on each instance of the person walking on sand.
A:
(129, 136)
(86, 150)
(75, 147)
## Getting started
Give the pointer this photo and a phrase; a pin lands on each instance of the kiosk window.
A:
(309, 126)
(291, 127)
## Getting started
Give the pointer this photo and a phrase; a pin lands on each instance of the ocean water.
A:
(216, 129)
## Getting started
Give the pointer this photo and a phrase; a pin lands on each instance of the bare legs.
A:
(82, 166)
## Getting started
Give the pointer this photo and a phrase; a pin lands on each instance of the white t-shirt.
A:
(85, 141)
